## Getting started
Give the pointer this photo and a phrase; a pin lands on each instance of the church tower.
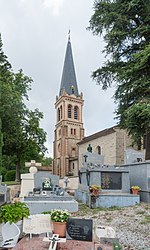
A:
(69, 127)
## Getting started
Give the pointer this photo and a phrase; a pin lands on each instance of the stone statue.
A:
(89, 148)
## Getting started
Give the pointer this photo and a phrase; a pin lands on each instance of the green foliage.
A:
(10, 175)
(125, 27)
(23, 139)
(13, 212)
(3, 172)
(117, 246)
(46, 161)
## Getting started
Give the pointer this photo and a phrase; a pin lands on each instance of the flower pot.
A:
(95, 192)
(135, 191)
(60, 228)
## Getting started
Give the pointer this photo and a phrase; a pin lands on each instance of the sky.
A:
(35, 35)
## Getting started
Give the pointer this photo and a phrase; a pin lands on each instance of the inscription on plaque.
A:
(79, 229)
(111, 180)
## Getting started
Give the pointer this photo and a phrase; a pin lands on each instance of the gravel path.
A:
(132, 224)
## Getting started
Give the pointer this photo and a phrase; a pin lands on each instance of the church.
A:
(69, 126)
(70, 143)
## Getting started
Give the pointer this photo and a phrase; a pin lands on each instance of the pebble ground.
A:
(132, 224)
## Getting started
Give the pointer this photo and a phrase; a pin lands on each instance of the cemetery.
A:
(113, 180)
(41, 195)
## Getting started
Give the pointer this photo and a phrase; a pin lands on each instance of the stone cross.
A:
(32, 166)
(66, 181)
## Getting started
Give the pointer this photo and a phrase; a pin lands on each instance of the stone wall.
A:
(112, 147)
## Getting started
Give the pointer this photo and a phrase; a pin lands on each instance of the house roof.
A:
(98, 134)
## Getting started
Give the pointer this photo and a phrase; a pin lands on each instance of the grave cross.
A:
(66, 180)
(32, 165)
(53, 241)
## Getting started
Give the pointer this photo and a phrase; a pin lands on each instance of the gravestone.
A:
(41, 176)
(3, 192)
(133, 156)
(79, 229)
(37, 224)
(106, 235)
(92, 160)
(27, 183)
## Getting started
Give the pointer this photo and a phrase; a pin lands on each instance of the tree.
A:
(47, 161)
(23, 139)
(125, 26)
(5, 71)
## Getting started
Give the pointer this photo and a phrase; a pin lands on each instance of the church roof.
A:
(68, 81)
(98, 134)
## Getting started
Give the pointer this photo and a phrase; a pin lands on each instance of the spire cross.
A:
(69, 35)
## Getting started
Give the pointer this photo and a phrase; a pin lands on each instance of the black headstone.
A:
(79, 229)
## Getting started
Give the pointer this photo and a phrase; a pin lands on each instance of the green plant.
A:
(13, 212)
(136, 187)
(117, 246)
(59, 215)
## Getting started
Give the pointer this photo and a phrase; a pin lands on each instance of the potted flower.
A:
(135, 189)
(14, 212)
(94, 190)
(59, 218)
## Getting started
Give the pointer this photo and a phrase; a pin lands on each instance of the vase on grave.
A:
(59, 228)
(135, 191)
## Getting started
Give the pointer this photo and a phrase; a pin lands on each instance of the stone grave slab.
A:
(79, 229)
(75, 245)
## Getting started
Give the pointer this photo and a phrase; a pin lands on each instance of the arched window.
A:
(75, 112)
(99, 150)
(73, 152)
(61, 112)
(58, 114)
(73, 165)
(69, 111)
(71, 131)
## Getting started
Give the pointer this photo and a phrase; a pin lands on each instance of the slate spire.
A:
(68, 81)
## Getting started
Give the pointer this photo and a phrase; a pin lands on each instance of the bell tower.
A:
(69, 126)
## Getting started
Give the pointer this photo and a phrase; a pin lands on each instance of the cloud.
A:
(54, 6)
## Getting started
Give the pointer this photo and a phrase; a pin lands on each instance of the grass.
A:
(10, 182)
(146, 219)
(140, 212)
(84, 209)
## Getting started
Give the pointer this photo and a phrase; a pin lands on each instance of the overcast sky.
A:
(34, 35)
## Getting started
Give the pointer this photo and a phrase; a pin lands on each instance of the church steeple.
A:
(68, 81)
(69, 126)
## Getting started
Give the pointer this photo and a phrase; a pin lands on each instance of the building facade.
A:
(69, 126)
(111, 143)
